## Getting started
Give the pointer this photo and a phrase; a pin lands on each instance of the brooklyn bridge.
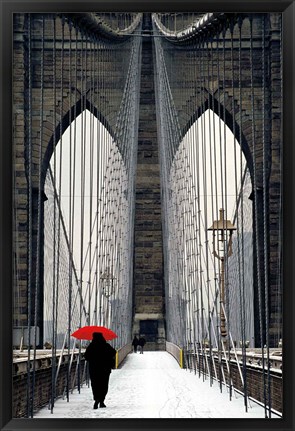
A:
(147, 184)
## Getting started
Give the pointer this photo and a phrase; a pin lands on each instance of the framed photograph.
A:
(147, 238)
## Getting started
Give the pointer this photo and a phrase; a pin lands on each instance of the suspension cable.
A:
(53, 365)
(39, 227)
(30, 227)
(257, 236)
(242, 278)
(265, 147)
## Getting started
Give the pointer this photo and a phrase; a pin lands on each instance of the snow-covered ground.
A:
(153, 386)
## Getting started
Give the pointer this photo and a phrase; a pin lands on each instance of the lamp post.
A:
(223, 244)
(107, 280)
(107, 283)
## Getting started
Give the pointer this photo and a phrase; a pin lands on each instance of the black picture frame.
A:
(7, 8)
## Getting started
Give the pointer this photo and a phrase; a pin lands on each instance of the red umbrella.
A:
(86, 332)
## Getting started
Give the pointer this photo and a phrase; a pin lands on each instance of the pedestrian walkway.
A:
(153, 386)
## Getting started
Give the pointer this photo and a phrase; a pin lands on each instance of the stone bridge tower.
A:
(149, 295)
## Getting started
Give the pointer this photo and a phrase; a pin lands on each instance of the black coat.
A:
(135, 341)
(101, 357)
(141, 341)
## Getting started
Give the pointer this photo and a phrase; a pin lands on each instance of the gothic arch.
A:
(226, 117)
(69, 117)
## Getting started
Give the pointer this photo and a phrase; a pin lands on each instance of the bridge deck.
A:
(153, 386)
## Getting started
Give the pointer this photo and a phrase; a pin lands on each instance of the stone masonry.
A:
(149, 293)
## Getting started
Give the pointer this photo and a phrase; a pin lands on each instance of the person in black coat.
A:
(101, 358)
(135, 343)
(141, 343)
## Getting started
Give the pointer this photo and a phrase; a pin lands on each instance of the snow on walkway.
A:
(153, 386)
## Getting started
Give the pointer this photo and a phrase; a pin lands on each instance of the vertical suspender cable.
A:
(30, 227)
(100, 181)
(205, 196)
(186, 237)
(84, 173)
(101, 191)
(214, 184)
(70, 213)
(83, 114)
(191, 141)
(84, 81)
(207, 165)
(191, 218)
(39, 227)
(194, 222)
(242, 290)
(58, 266)
(232, 27)
(89, 162)
(265, 210)
(92, 167)
(280, 233)
(94, 193)
(97, 183)
(99, 173)
(54, 217)
(224, 192)
(111, 239)
(84, 140)
(214, 175)
(53, 363)
(217, 289)
(81, 40)
(79, 287)
(197, 153)
(104, 186)
(226, 303)
(211, 144)
(202, 169)
(256, 206)
(195, 226)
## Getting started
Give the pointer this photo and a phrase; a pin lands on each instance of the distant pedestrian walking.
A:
(141, 343)
(135, 343)
(101, 358)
